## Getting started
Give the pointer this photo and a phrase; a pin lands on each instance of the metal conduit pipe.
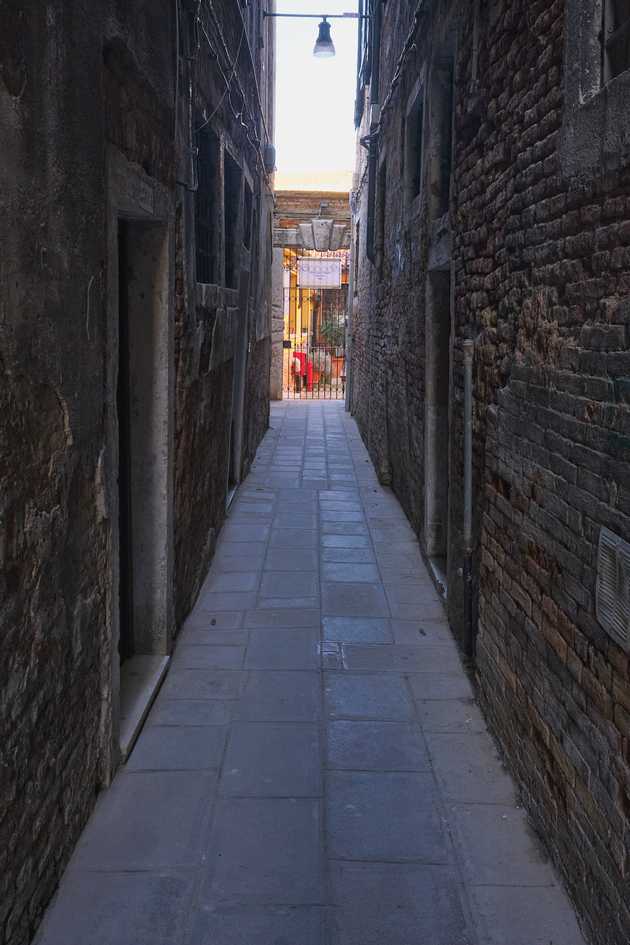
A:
(469, 643)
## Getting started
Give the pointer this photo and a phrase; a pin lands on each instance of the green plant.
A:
(333, 333)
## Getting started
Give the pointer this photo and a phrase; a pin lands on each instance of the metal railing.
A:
(314, 354)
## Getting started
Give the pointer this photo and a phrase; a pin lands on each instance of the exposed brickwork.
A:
(206, 333)
(83, 85)
(541, 282)
(300, 206)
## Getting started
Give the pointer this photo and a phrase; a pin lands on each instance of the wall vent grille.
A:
(613, 587)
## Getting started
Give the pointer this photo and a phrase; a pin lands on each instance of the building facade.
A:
(136, 222)
(491, 206)
(306, 223)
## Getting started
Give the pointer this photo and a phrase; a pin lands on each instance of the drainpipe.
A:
(372, 138)
(469, 643)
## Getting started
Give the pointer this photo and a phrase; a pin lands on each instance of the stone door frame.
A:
(134, 197)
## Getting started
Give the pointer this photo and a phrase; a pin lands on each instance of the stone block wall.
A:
(540, 270)
(85, 90)
(54, 517)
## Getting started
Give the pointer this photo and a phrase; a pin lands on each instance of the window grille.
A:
(413, 159)
(247, 221)
(616, 38)
(232, 197)
(613, 587)
(446, 93)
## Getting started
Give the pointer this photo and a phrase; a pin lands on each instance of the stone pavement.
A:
(314, 770)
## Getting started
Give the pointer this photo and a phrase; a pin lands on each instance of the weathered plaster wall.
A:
(541, 281)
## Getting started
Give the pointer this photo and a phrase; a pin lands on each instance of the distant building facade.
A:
(313, 224)
(136, 221)
(492, 205)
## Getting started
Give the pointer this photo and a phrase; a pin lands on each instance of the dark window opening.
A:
(437, 400)
(616, 38)
(414, 132)
(125, 640)
(247, 214)
(232, 195)
(444, 90)
(382, 206)
(403, 145)
(206, 216)
(205, 353)
(357, 249)
(370, 248)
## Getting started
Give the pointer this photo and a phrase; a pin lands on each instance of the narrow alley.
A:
(314, 472)
(314, 769)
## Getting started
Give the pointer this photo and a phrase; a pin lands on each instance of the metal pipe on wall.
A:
(469, 643)
(358, 110)
(375, 79)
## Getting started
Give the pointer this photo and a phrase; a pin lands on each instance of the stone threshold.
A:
(232, 492)
(140, 681)
(437, 571)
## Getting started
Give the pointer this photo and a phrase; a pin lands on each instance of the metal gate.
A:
(314, 362)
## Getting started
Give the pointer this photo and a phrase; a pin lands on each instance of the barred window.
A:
(414, 130)
(206, 207)
(247, 217)
(596, 87)
(616, 38)
(231, 202)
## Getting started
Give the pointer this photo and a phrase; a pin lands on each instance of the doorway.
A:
(437, 395)
(238, 386)
(144, 402)
(125, 638)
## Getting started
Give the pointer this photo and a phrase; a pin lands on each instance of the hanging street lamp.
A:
(324, 47)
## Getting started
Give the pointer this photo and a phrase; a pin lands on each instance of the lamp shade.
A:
(324, 47)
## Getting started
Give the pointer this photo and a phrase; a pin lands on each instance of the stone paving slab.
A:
(315, 770)
(405, 904)
(376, 746)
(119, 907)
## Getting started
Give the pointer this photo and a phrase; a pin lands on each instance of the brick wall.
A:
(541, 282)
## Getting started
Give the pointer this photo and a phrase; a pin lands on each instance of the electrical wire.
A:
(228, 82)
(253, 64)
(237, 114)
(248, 124)
(176, 102)
(408, 47)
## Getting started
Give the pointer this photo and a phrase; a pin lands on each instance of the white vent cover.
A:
(613, 587)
